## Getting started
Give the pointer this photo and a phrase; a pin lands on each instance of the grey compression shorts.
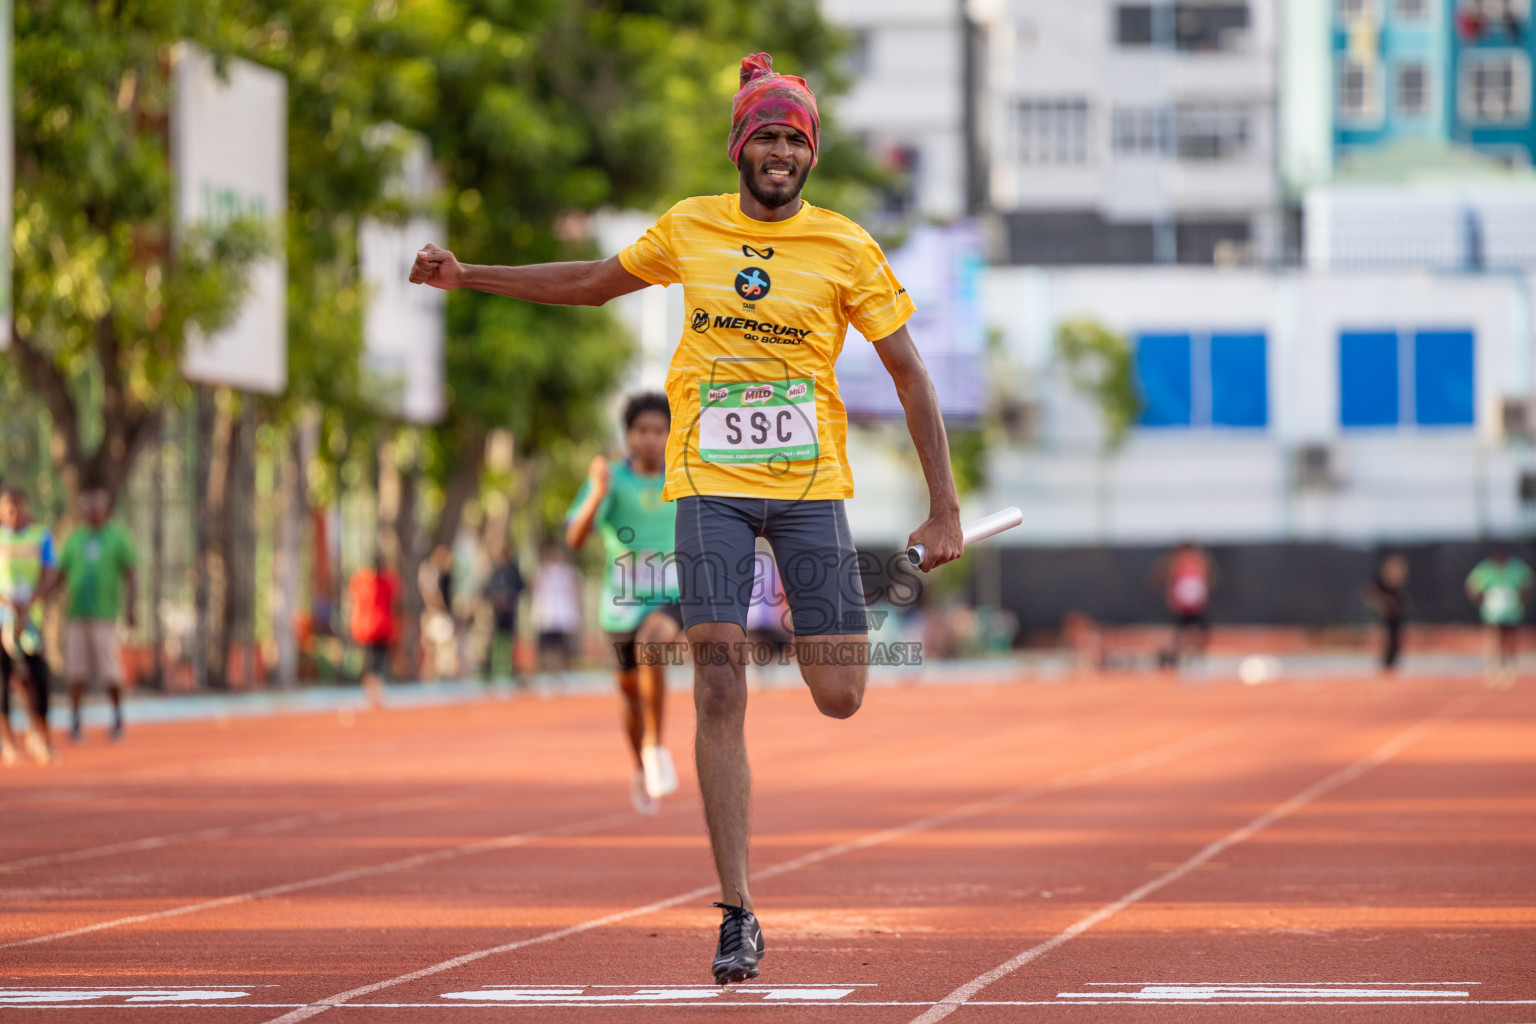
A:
(818, 564)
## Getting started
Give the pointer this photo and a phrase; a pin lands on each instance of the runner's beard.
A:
(773, 195)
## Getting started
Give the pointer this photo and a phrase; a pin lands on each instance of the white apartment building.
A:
(1132, 132)
(907, 102)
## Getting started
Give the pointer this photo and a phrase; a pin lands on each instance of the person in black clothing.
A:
(1388, 594)
(503, 589)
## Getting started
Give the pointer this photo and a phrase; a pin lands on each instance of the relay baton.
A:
(975, 532)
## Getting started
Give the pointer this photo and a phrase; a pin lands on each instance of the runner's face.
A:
(13, 513)
(774, 165)
(647, 439)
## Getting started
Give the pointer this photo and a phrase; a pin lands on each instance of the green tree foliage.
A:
(99, 300)
(1098, 363)
(539, 112)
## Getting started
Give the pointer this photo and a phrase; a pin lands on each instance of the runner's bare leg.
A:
(837, 689)
(634, 728)
(720, 751)
(657, 630)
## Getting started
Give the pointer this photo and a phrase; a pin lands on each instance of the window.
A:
(1443, 378)
(1496, 87)
(1201, 380)
(1053, 131)
(1427, 377)
(858, 60)
(1368, 379)
(1412, 10)
(1359, 92)
(1239, 392)
(1133, 24)
(1192, 132)
(1163, 371)
(1188, 26)
(1214, 132)
(1496, 10)
(1210, 26)
(1142, 131)
(1412, 90)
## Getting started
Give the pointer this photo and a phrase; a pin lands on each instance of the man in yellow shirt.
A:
(758, 432)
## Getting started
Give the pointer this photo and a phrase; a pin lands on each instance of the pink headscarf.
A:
(767, 97)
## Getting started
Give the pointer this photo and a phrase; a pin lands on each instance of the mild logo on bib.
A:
(755, 421)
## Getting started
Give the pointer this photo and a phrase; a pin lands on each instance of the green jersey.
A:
(93, 562)
(1501, 590)
(637, 528)
(24, 555)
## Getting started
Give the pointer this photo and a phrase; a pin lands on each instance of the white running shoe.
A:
(660, 773)
(639, 796)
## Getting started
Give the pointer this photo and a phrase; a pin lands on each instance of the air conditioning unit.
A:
(1314, 467)
(1515, 419)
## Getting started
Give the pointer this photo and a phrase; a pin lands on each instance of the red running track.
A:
(1118, 850)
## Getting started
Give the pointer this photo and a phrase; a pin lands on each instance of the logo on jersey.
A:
(752, 283)
(700, 322)
(762, 254)
(757, 393)
(719, 394)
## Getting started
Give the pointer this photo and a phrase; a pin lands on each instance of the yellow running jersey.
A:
(756, 411)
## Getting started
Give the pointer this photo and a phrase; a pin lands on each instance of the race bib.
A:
(1501, 602)
(758, 422)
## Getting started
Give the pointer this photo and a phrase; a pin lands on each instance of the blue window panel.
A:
(1368, 388)
(1239, 381)
(1444, 378)
(1163, 373)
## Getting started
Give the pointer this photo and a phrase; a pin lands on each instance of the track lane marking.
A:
(1385, 752)
(350, 874)
(288, 822)
(947, 753)
(1082, 777)
(261, 828)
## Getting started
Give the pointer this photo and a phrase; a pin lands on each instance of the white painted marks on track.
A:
(600, 995)
(1269, 992)
(116, 995)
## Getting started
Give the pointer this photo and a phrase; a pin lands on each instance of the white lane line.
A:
(262, 828)
(962, 995)
(732, 1005)
(350, 874)
(1198, 993)
(416, 861)
(1126, 765)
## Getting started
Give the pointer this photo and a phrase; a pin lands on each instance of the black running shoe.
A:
(741, 946)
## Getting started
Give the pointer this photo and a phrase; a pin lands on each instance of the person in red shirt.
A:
(1187, 575)
(374, 592)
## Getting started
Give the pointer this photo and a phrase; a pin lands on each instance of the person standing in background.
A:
(1388, 594)
(439, 630)
(1187, 575)
(556, 608)
(503, 589)
(28, 567)
(374, 593)
(1499, 586)
(97, 566)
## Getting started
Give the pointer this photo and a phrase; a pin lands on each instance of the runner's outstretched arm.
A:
(940, 534)
(588, 283)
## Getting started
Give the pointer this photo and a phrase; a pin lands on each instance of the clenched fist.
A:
(438, 268)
